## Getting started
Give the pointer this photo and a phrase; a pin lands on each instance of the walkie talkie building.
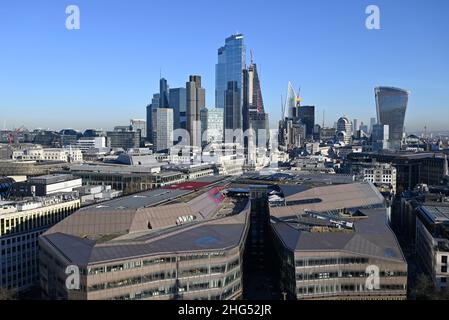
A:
(391, 104)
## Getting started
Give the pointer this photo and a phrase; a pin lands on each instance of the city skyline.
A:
(100, 83)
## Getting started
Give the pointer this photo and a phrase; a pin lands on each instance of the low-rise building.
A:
(21, 223)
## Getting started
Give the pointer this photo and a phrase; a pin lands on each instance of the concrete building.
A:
(432, 242)
(42, 186)
(123, 137)
(196, 100)
(344, 130)
(128, 250)
(90, 143)
(126, 178)
(139, 124)
(381, 174)
(162, 129)
(329, 239)
(21, 223)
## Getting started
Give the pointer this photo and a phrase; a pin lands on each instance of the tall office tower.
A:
(307, 116)
(163, 93)
(379, 137)
(372, 122)
(355, 126)
(196, 100)
(154, 104)
(391, 104)
(231, 62)
(178, 102)
(162, 128)
(344, 130)
(139, 125)
(233, 111)
(203, 119)
(254, 115)
(215, 119)
(290, 103)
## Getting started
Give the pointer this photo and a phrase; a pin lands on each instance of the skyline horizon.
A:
(102, 83)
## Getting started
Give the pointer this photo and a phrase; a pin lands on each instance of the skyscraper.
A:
(196, 100)
(178, 102)
(154, 104)
(290, 103)
(162, 128)
(391, 104)
(163, 93)
(344, 130)
(233, 110)
(139, 125)
(307, 116)
(231, 62)
(372, 122)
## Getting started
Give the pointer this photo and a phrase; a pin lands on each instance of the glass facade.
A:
(178, 103)
(391, 106)
(231, 62)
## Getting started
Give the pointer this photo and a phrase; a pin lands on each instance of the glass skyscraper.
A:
(391, 104)
(178, 102)
(231, 62)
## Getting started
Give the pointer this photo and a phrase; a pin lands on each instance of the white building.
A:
(162, 128)
(344, 130)
(212, 125)
(381, 174)
(88, 143)
(38, 153)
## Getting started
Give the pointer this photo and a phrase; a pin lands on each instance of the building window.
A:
(444, 269)
(443, 259)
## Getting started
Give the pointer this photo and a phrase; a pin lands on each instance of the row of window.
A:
(345, 274)
(164, 275)
(342, 288)
(330, 261)
(149, 262)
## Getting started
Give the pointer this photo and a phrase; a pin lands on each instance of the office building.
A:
(231, 62)
(135, 250)
(306, 115)
(432, 242)
(344, 130)
(327, 240)
(42, 186)
(178, 102)
(123, 137)
(163, 93)
(89, 143)
(139, 125)
(391, 106)
(162, 129)
(380, 137)
(154, 104)
(214, 125)
(233, 107)
(196, 100)
(381, 174)
(372, 122)
(21, 223)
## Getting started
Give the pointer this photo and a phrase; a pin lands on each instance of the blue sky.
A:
(105, 73)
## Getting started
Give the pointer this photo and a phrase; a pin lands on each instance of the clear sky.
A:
(105, 73)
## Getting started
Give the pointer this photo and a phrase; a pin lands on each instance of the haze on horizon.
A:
(106, 73)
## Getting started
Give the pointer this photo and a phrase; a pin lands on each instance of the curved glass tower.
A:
(391, 104)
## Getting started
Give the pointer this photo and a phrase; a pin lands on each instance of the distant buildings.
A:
(123, 137)
(196, 100)
(391, 106)
(380, 135)
(306, 115)
(380, 175)
(178, 102)
(344, 130)
(139, 125)
(162, 128)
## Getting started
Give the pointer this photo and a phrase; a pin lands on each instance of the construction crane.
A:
(12, 135)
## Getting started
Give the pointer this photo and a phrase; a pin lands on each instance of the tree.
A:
(426, 290)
